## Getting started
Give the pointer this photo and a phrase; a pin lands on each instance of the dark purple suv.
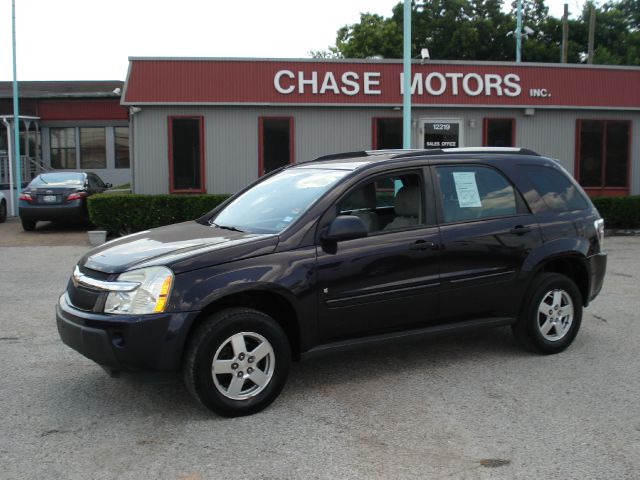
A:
(348, 249)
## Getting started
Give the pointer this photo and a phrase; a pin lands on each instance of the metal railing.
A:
(30, 168)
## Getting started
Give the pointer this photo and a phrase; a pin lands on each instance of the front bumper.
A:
(597, 265)
(123, 342)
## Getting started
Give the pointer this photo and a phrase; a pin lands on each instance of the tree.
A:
(617, 36)
(373, 36)
(483, 30)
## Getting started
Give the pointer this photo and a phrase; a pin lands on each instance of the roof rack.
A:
(476, 150)
(336, 156)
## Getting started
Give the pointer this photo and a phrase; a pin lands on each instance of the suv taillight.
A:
(599, 224)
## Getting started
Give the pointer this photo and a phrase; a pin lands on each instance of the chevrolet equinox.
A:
(347, 249)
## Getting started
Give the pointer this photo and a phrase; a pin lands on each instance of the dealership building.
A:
(214, 125)
(66, 125)
(191, 125)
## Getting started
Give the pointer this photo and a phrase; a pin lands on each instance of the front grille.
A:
(85, 298)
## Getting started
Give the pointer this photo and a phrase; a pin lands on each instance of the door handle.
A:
(422, 245)
(520, 230)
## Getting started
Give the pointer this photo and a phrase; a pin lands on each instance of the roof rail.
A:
(336, 156)
(476, 150)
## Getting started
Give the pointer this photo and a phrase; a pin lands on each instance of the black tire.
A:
(28, 225)
(549, 331)
(212, 340)
(3, 211)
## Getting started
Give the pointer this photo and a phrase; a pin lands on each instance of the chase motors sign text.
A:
(434, 84)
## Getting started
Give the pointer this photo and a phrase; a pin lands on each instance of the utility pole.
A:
(592, 34)
(406, 66)
(16, 116)
(565, 34)
(518, 31)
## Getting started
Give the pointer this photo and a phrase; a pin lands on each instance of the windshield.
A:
(271, 205)
(58, 179)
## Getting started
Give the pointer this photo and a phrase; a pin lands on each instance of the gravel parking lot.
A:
(464, 407)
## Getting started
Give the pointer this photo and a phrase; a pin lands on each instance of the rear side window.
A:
(473, 192)
(555, 189)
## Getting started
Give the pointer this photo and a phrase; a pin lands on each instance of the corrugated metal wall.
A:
(231, 137)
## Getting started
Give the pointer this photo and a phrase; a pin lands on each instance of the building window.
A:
(386, 133)
(499, 132)
(603, 155)
(121, 139)
(275, 147)
(63, 148)
(93, 152)
(186, 154)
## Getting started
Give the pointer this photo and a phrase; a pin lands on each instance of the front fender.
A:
(291, 275)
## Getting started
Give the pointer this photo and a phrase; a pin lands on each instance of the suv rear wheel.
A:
(552, 315)
(237, 362)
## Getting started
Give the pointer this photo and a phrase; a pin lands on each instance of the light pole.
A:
(406, 62)
(16, 116)
(518, 30)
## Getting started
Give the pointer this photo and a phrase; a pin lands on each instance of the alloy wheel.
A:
(555, 315)
(243, 365)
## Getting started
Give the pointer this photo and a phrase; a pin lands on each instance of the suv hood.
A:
(182, 247)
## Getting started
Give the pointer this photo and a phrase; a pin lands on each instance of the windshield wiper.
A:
(225, 227)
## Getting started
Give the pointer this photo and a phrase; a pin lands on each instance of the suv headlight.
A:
(149, 297)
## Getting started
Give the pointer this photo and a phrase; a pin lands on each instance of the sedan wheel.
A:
(28, 225)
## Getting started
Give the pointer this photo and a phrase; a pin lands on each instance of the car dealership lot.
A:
(470, 406)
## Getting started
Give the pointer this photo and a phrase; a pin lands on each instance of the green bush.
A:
(128, 213)
(619, 212)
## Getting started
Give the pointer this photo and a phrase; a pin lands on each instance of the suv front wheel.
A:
(552, 315)
(237, 362)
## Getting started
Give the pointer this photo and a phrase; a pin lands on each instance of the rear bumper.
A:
(76, 209)
(597, 265)
(125, 343)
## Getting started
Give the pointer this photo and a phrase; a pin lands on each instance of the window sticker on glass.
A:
(467, 189)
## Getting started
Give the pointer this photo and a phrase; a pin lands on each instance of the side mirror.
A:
(345, 227)
(108, 185)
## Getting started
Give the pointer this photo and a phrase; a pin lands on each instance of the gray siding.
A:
(231, 137)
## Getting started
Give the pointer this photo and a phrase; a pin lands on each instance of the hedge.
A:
(619, 212)
(128, 213)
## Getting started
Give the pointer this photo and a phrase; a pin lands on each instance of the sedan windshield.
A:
(58, 179)
(272, 205)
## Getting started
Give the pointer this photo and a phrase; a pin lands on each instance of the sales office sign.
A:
(434, 84)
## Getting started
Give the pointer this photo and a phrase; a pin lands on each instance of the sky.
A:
(92, 39)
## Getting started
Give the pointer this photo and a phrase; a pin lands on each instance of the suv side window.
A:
(471, 192)
(555, 189)
(386, 203)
